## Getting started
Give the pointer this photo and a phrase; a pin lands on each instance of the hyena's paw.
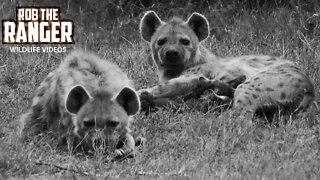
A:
(146, 101)
(214, 97)
(128, 150)
(234, 83)
(121, 154)
(220, 88)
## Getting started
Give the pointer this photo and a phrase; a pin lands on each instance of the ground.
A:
(179, 145)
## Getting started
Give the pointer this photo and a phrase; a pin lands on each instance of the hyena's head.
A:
(100, 111)
(174, 44)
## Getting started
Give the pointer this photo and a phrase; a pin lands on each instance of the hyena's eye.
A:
(185, 42)
(161, 42)
(112, 123)
(89, 123)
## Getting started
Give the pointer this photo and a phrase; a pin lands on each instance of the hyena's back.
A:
(48, 109)
(283, 87)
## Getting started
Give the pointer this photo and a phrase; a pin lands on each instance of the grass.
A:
(186, 145)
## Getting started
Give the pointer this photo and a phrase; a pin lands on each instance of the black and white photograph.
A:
(160, 89)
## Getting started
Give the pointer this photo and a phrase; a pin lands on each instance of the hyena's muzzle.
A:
(172, 57)
(98, 133)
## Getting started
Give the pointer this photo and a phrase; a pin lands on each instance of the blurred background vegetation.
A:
(211, 144)
(115, 21)
(284, 28)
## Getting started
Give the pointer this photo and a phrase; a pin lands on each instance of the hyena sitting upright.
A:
(184, 65)
(84, 96)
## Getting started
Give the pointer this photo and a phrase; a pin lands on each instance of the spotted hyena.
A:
(83, 96)
(253, 82)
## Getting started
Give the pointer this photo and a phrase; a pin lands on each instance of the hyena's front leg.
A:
(32, 122)
(182, 88)
(149, 101)
(175, 87)
(169, 93)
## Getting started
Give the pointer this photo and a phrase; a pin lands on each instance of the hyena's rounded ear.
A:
(76, 98)
(129, 100)
(149, 24)
(200, 25)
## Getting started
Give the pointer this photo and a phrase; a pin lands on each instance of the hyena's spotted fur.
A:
(83, 95)
(181, 60)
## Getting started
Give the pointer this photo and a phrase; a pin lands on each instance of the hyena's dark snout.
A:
(172, 54)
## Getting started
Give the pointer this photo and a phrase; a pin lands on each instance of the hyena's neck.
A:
(206, 56)
(166, 75)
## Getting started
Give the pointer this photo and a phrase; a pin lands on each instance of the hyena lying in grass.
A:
(84, 99)
(186, 68)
